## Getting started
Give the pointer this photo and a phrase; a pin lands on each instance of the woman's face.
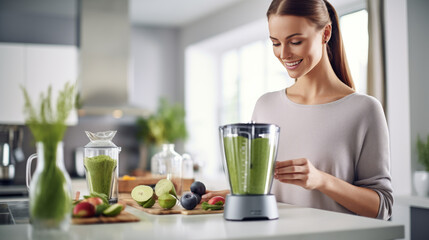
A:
(296, 43)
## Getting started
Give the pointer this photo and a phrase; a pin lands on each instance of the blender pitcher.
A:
(249, 153)
(101, 158)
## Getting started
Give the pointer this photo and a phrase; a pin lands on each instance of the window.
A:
(247, 73)
(354, 30)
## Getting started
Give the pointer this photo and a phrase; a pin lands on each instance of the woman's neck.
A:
(320, 85)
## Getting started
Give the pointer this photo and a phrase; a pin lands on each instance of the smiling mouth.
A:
(291, 64)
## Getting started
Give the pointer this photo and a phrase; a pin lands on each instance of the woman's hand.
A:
(209, 194)
(299, 172)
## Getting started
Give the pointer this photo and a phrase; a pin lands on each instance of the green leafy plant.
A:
(50, 199)
(167, 125)
(48, 125)
(423, 152)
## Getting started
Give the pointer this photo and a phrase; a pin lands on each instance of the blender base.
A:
(250, 207)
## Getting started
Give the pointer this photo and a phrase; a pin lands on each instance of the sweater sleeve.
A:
(373, 165)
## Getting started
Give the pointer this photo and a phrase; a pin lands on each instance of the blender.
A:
(249, 153)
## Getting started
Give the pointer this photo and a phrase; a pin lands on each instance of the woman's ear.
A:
(327, 33)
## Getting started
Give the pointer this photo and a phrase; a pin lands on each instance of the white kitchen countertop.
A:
(294, 223)
(413, 201)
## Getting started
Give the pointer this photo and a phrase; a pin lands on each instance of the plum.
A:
(84, 209)
(198, 188)
(189, 201)
(198, 197)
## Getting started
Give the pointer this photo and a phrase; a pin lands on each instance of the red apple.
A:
(94, 201)
(216, 199)
(84, 209)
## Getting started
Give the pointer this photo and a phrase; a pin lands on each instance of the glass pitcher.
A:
(101, 158)
(50, 189)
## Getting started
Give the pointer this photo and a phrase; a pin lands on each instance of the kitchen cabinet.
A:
(419, 217)
(12, 75)
(36, 67)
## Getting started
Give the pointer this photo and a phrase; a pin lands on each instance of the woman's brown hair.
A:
(321, 13)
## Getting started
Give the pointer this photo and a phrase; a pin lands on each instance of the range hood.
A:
(104, 80)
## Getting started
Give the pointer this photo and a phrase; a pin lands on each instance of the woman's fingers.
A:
(299, 172)
(209, 194)
(291, 176)
(292, 169)
(206, 196)
(292, 162)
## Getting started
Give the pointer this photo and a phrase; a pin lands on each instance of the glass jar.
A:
(101, 160)
(168, 164)
(188, 172)
(188, 166)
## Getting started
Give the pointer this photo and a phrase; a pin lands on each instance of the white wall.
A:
(155, 60)
(407, 32)
(220, 22)
(398, 104)
(418, 36)
(398, 95)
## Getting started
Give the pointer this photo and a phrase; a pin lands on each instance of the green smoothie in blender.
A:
(248, 171)
(100, 170)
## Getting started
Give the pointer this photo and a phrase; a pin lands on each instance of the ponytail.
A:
(336, 51)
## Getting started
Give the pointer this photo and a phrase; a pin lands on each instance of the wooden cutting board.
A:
(157, 210)
(126, 186)
(123, 217)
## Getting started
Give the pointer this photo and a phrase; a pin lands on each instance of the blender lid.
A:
(101, 139)
(251, 125)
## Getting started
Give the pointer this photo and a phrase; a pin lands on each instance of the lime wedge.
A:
(113, 210)
(99, 209)
(149, 203)
(164, 186)
(166, 201)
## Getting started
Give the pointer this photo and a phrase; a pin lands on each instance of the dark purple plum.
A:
(198, 197)
(198, 188)
(189, 201)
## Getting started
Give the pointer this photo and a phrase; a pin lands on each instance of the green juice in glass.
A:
(100, 171)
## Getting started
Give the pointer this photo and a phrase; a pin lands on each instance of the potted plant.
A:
(421, 178)
(166, 126)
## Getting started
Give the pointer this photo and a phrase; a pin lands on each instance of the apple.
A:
(84, 209)
(216, 199)
(94, 201)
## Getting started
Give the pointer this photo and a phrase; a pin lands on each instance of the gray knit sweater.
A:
(347, 138)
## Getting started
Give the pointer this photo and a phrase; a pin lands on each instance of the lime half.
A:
(142, 194)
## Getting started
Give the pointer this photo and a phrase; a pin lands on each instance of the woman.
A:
(334, 148)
